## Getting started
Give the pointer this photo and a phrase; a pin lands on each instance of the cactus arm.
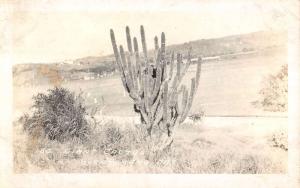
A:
(187, 101)
(131, 66)
(185, 68)
(158, 58)
(180, 74)
(135, 79)
(156, 43)
(157, 80)
(128, 75)
(173, 121)
(198, 72)
(125, 68)
(144, 45)
(165, 103)
(129, 69)
(114, 44)
(136, 50)
(194, 85)
(144, 114)
(128, 38)
(186, 104)
(171, 67)
(190, 101)
(123, 59)
(177, 76)
(157, 85)
(139, 66)
(131, 76)
(157, 107)
(156, 49)
(163, 46)
(146, 94)
(157, 100)
(118, 60)
(184, 100)
(146, 76)
(186, 65)
(179, 62)
(158, 115)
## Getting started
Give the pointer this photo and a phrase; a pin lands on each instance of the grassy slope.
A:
(238, 148)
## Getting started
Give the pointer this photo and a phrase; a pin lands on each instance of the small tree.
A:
(275, 91)
(59, 114)
(158, 95)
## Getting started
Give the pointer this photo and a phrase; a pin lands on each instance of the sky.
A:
(55, 31)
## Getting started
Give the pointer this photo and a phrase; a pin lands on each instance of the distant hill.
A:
(224, 46)
(217, 46)
(233, 44)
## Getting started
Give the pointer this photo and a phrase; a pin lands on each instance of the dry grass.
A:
(121, 148)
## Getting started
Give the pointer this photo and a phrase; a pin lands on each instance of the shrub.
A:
(112, 141)
(58, 115)
(117, 141)
(248, 165)
(198, 116)
(279, 140)
(275, 91)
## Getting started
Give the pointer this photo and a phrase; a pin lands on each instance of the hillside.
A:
(233, 44)
(217, 46)
(229, 47)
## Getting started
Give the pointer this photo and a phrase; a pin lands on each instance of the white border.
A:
(9, 179)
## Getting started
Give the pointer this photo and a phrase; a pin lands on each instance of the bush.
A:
(197, 116)
(280, 140)
(112, 141)
(58, 115)
(275, 91)
(116, 141)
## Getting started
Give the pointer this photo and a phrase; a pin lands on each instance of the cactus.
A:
(155, 90)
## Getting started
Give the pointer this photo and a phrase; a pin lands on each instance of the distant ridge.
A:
(216, 46)
(208, 47)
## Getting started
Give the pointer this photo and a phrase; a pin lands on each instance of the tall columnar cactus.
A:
(158, 95)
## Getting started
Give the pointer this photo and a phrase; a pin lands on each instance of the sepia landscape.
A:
(77, 116)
